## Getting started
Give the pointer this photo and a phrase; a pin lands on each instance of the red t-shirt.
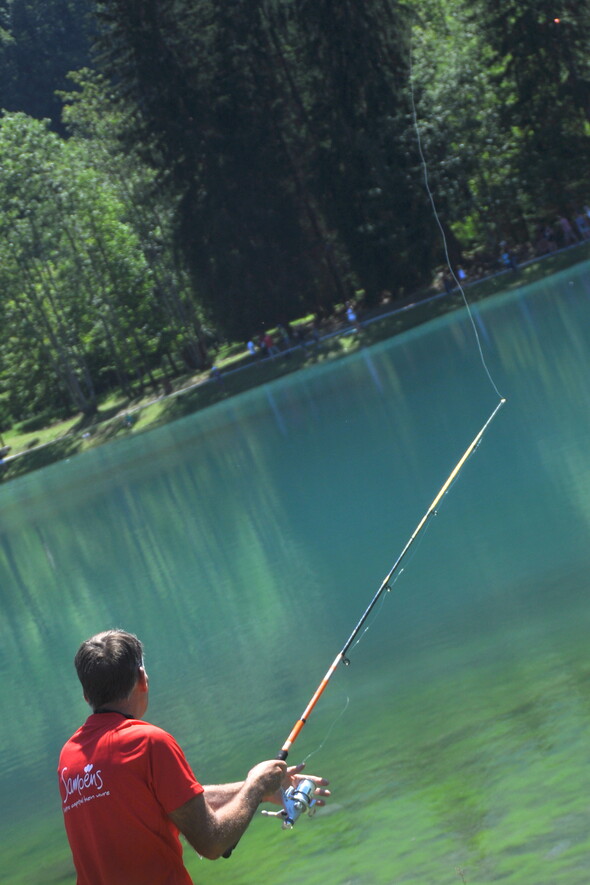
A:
(119, 778)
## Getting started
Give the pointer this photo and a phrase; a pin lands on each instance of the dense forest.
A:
(176, 170)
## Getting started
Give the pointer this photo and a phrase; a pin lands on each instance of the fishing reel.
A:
(297, 800)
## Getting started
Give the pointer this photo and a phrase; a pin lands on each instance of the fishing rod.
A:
(299, 798)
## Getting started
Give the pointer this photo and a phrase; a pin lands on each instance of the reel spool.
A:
(297, 800)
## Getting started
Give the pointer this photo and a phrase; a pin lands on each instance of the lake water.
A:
(242, 545)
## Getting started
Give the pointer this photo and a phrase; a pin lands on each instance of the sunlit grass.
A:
(20, 441)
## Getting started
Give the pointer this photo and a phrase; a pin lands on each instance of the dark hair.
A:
(107, 666)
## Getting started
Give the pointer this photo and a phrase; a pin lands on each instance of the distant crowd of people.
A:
(548, 238)
(567, 234)
(288, 336)
(285, 338)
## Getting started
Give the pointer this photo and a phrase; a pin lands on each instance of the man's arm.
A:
(216, 819)
(220, 794)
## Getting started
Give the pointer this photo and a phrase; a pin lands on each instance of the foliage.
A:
(84, 310)
(365, 167)
(286, 137)
(203, 112)
(40, 42)
(539, 57)
(239, 165)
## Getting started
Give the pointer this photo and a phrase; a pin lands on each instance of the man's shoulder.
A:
(138, 735)
(139, 726)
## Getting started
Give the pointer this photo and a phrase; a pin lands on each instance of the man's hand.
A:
(291, 777)
(267, 777)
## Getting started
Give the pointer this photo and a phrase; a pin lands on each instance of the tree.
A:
(40, 42)
(36, 312)
(471, 160)
(367, 166)
(202, 86)
(80, 310)
(538, 52)
(148, 206)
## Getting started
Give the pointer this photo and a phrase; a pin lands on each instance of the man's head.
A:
(108, 666)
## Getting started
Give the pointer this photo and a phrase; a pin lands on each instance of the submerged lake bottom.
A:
(243, 543)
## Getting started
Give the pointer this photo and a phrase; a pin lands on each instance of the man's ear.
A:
(142, 680)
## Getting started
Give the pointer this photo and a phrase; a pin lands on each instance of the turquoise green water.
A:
(243, 543)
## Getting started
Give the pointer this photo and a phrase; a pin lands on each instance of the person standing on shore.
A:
(128, 790)
(567, 231)
(351, 316)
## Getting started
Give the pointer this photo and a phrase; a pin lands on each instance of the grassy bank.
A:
(35, 446)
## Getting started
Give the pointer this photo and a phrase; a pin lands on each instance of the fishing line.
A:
(329, 732)
(386, 585)
(299, 797)
(442, 230)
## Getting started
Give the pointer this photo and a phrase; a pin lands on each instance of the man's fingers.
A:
(319, 781)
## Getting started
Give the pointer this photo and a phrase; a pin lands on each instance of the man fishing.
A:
(127, 789)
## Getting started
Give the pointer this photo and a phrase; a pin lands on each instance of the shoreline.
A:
(243, 372)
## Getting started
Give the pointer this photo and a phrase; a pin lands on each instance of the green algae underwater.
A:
(243, 543)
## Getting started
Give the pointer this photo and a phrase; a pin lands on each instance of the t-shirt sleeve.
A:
(172, 777)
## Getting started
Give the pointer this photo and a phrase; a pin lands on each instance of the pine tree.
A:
(202, 85)
(539, 49)
(367, 166)
(40, 42)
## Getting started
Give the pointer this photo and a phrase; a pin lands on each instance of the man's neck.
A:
(122, 711)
